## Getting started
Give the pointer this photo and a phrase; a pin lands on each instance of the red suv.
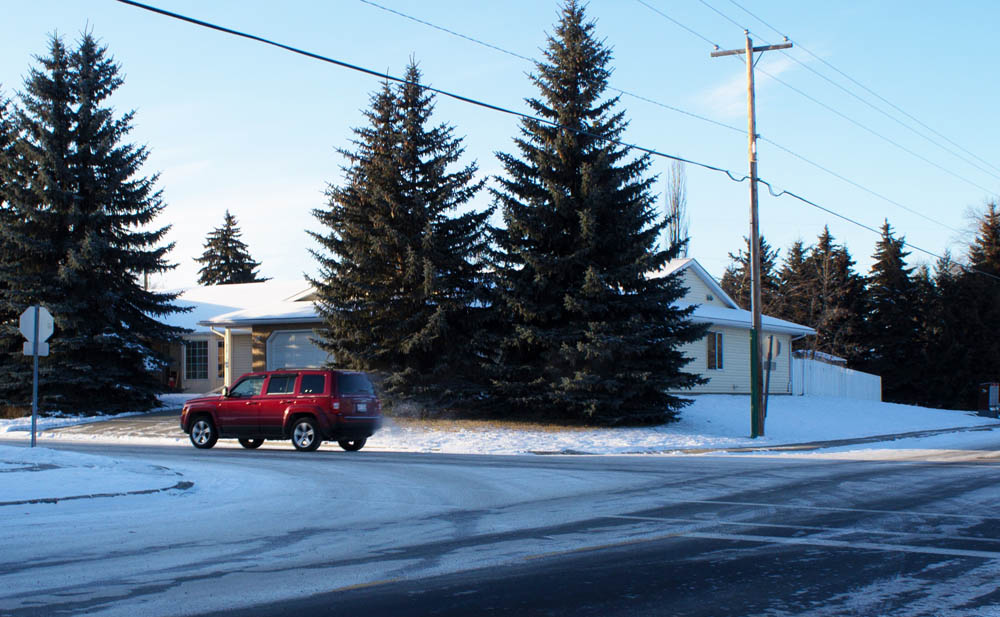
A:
(306, 406)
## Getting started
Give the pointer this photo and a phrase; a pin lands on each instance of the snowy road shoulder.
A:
(42, 475)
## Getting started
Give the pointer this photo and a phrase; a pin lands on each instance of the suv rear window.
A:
(354, 383)
(312, 384)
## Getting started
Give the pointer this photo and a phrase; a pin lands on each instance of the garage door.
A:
(294, 349)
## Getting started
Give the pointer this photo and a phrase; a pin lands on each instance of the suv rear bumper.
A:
(355, 427)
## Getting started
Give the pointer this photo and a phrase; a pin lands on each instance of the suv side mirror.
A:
(225, 391)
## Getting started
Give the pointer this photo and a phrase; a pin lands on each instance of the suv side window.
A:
(251, 386)
(312, 384)
(281, 384)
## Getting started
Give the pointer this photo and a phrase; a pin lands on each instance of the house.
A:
(723, 355)
(272, 325)
(242, 327)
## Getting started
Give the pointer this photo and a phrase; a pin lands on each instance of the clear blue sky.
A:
(238, 125)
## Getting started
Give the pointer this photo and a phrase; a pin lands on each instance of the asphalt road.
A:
(698, 536)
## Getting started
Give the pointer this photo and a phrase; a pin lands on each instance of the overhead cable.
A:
(652, 152)
(799, 45)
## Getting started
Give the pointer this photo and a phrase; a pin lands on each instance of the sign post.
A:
(36, 326)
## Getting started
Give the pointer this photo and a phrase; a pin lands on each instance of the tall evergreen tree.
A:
(794, 284)
(226, 258)
(78, 225)
(890, 331)
(984, 252)
(400, 287)
(836, 295)
(590, 334)
(736, 279)
(974, 308)
(8, 179)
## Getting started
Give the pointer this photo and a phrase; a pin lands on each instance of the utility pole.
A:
(756, 392)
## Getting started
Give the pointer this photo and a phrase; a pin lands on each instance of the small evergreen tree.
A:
(226, 258)
(736, 279)
(78, 221)
(401, 288)
(589, 334)
(890, 331)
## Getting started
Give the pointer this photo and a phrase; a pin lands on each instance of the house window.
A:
(222, 359)
(196, 360)
(715, 350)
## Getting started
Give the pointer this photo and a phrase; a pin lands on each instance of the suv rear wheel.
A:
(352, 445)
(250, 443)
(203, 433)
(305, 435)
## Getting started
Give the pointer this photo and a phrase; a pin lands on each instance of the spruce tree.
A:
(79, 228)
(226, 258)
(401, 287)
(736, 279)
(794, 290)
(975, 308)
(984, 252)
(589, 334)
(836, 294)
(890, 328)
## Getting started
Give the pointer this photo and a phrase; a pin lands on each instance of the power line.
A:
(866, 88)
(837, 112)
(445, 93)
(534, 61)
(731, 127)
(789, 151)
(511, 112)
(852, 94)
(857, 185)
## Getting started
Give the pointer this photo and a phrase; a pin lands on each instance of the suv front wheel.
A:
(203, 433)
(305, 435)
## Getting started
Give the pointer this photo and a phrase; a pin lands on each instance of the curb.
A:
(790, 447)
(180, 486)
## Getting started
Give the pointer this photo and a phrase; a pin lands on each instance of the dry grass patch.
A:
(12, 412)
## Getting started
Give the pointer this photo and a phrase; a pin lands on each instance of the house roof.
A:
(740, 318)
(731, 315)
(209, 301)
(302, 311)
(689, 263)
(291, 302)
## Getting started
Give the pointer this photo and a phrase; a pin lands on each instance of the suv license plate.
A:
(362, 407)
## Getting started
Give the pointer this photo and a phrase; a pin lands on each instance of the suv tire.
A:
(203, 434)
(251, 443)
(352, 445)
(305, 435)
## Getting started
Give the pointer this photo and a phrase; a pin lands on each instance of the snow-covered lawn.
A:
(712, 421)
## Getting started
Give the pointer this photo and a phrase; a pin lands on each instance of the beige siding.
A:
(242, 355)
(199, 385)
(698, 291)
(734, 377)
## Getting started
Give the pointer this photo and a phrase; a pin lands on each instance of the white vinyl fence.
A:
(822, 379)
